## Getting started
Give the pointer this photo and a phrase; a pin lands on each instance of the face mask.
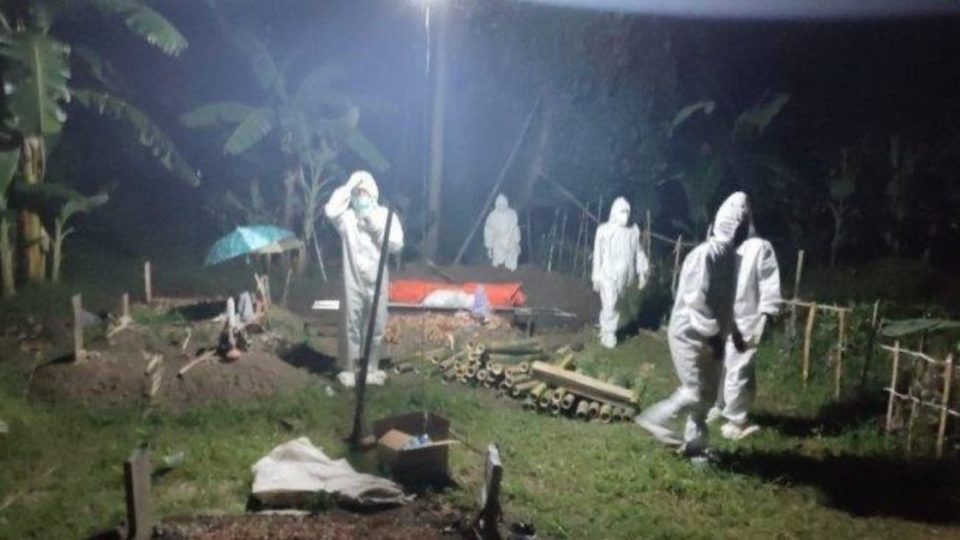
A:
(362, 204)
(620, 218)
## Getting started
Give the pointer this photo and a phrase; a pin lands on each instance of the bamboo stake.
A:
(807, 338)
(553, 238)
(529, 236)
(124, 307)
(562, 240)
(286, 287)
(796, 293)
(840, 344)
(676, 264)
(648, 239)
(78, 352)
(147, 283)
(947, 383)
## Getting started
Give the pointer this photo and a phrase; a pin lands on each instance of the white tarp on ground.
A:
(292, 473)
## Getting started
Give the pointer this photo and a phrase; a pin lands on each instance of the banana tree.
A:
(313, 125)
(9, 160)
(65, 203)
(37, 73)
(727, 154)
(843, 184)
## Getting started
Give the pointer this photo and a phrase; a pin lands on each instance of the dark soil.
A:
(422, 519)
(115, 372)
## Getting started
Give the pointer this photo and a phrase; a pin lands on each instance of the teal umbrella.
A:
(251, 239)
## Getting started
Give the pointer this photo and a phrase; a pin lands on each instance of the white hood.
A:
(620, 212)
(730, 215)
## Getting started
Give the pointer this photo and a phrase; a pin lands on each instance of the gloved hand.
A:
(738, 341)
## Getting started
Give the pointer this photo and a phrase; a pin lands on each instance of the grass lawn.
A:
(815, 471)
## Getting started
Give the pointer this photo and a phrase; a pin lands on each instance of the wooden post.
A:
(893, 385)
(125, 307)
(807, 339)
(676, 264)
(78, 352)
(798, 275)
(286, 287)
(945, 403)
(562, 241)
(796, 295)
(136, 480)
(486, 524)
(840, 344)
(147, 283)
(648, 236)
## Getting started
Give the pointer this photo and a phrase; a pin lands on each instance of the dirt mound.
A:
(117, 373)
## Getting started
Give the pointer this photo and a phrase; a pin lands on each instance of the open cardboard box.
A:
(423, 464)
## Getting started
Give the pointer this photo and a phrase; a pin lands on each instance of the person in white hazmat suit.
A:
(361, 221)
(618, 261)
(701, 320)
(757, 300)
(501, 234)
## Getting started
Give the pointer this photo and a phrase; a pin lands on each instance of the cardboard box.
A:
(423, 464)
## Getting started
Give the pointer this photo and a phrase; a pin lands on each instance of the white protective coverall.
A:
(700, 322)
(501, 234)
(361, 228)
(618, 261)
(757, 296)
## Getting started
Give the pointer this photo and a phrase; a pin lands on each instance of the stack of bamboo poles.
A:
(520, 369)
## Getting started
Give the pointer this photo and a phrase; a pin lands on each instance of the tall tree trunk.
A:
(32, 159)
(435, 183)
(7, 259)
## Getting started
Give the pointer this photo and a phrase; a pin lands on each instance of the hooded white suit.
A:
(501, 235)
(757, 295)
(618, 261)
(700, 322)
(362, 234)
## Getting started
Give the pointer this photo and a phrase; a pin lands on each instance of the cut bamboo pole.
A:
(807, 339)
(209, 355)
(568, 400)
(78, 352)
(893, 385)
(676, 264)
(583, 385)
(582, 408)
(522, 388)
(947, 383)
(124, 307)
(841, 338)
(593, 410)
(147, 283)
(606, 413)
(796, 295)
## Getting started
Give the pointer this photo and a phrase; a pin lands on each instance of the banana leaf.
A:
(906, 327)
